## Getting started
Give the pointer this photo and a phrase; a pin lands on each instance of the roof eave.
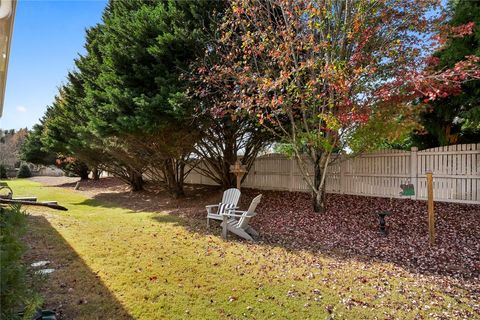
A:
(6, 31)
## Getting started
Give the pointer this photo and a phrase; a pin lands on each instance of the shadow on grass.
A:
(71, 182)
(73, 290)
(105, 201)
(167, 218)
(187, 212)
(193, 204)
(102, 183)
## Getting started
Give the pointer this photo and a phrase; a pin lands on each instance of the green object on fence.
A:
(407, 190)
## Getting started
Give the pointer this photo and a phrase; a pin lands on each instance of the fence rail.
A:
(456, 173)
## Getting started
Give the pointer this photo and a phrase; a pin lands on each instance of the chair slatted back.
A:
(247, 215)
(231, 196)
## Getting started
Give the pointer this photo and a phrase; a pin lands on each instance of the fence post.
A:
(290, 177)
(342, 174)
(431, 212)
(414, 170)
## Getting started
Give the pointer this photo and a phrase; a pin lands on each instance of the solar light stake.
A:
(381, 216)
(431, 213)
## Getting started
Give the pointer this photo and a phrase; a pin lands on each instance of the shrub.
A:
(3, 172)
(13, 283)
(24, 172)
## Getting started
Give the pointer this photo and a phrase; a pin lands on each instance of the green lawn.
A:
(113, 263)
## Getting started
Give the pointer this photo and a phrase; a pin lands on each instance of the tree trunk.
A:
(319, 197)
(136, 181)
(95, 174)
(176, 190)
(319, 202)
(83, 172)
(174, 184)
(229, 155)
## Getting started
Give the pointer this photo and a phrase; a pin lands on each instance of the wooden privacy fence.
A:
(456, 173)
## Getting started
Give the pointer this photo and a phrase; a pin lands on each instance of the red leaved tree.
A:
(318, 70)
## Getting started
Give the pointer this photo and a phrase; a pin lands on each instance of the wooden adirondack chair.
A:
(229, 201)
(240, 227)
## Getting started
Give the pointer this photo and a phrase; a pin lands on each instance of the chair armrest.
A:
(240, 215)
(216, 205)
(233, 210)
(233, 215)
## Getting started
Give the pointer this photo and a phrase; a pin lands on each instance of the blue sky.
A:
(47, 36)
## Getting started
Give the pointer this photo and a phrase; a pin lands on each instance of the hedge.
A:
(14, 290)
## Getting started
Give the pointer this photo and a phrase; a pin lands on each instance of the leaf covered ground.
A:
(144, 255)
(350, 228)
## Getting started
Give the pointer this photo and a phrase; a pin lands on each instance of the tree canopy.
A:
(456, 118)
(32, 149)
(125, 109)
(321, 70)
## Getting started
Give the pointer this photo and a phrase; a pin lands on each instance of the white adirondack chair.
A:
(229, 201)
(240, 227)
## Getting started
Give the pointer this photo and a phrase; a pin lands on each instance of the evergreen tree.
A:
(33, 149)
(137, 102)
(455, 119)
(24, 171)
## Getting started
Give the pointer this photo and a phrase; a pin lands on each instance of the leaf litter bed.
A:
(350, 227)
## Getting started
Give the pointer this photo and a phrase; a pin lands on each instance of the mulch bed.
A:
(350, 228)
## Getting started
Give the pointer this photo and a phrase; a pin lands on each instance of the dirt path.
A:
(54, 181)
